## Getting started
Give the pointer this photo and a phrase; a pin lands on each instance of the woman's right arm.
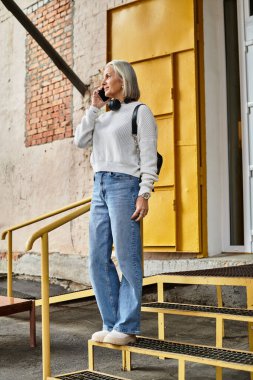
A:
(84, 130)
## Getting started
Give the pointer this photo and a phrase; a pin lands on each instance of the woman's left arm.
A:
(147, 142)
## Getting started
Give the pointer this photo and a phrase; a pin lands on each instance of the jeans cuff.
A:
(124, 331)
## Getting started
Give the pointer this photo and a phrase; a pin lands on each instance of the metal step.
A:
(85, 375)
(168, 307)
(232, 356)
(235, 271)
(227, 358)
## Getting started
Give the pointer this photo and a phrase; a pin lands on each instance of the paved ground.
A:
(72, 325)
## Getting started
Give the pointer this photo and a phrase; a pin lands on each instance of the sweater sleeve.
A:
(84, 130)
(147, 141)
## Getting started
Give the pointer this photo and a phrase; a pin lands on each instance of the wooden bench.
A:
(11, 305)
(182, 352)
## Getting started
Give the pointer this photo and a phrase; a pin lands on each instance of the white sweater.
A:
(113, 145)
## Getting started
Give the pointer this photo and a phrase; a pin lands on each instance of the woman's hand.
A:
(96, 101)
(141, 209)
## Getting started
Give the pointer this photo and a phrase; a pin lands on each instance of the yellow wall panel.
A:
(150, 28)
(159, 224)
(185, 98)
(166, 149)
(187, 207)
(155, 89)
(157, 37)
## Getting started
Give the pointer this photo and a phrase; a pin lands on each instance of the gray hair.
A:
(125, 70)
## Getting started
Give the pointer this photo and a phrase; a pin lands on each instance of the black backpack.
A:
(134, 132)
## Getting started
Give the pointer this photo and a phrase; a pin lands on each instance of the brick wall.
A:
(48, 92)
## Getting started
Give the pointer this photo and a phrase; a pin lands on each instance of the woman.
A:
(123, 181)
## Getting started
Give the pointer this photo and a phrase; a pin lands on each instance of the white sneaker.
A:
(119, 338)
(99, 336)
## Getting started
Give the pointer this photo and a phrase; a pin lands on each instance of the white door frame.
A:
(242, 10)
(218, 212)
(225, 208)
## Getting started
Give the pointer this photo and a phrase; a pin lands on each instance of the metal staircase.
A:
(218, 357)
(161, 348)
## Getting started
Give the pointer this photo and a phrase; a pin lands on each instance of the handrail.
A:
(45, 216)
(43, 234)
(57, 223)
(10, 230)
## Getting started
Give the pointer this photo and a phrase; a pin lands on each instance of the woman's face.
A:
(112, 83)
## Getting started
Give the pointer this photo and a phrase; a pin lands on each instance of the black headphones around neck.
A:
(115, 104)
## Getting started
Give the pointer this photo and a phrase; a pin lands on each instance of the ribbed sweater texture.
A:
(114, 148)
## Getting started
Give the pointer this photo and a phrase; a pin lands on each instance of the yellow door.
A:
(158, 38)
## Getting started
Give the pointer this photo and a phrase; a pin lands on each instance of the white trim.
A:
(218, 209)
(246, 9)
(226, 246)
(212, 112)
(244, 116)
(223, 122)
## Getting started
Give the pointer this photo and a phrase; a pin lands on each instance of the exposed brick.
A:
(3, 255)
(47, 133)
(49, 93)
(42, 129)
(58, 137)
(59, 130)
(69, 133)
(34, 121)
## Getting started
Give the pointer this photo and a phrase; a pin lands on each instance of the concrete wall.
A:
(42, 178)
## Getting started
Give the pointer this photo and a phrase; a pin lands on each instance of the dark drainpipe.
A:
(45, 45)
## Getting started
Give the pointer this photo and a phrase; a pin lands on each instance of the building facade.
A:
(193, 61)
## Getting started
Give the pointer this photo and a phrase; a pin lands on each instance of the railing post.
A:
(249, 290)
(45, 307)
(160, 298)
(90, 355)
(220, 304)
(181, 369)
(9, 265)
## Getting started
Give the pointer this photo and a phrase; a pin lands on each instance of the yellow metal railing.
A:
(42, 233)
(9, 232)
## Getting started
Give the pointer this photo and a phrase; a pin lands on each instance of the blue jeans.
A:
(113, 203)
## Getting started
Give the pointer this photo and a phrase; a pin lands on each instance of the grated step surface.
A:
(235, 271)
(198, 351)
(209, 309)
(87, 375)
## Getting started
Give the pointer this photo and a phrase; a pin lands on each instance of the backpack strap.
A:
(134, 119)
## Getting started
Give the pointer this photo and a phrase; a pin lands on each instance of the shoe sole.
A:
(119, 342)
(99, 340)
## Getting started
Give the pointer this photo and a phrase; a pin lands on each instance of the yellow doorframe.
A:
(200, 119)
(200, 95)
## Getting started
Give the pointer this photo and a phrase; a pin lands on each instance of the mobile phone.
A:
(101, 93)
